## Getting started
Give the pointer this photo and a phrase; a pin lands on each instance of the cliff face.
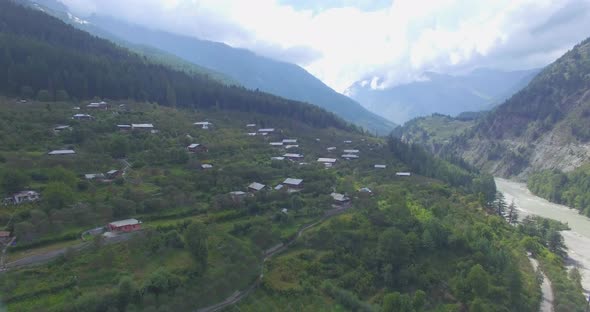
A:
(546, 125)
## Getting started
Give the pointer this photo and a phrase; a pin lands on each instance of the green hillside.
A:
(433, 132)
(419, 234)
(49, 60)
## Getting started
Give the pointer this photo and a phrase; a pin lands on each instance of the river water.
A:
(577, 239)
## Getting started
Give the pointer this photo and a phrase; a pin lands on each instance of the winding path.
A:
(239, 295)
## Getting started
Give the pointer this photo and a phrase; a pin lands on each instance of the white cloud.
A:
(395, 43)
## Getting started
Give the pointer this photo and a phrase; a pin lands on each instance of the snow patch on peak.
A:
(76, 19)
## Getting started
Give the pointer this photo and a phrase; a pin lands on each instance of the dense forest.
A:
(45, 59)
(571, 189)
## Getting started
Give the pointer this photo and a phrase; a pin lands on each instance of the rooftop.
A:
(289, 140)
(202, 123)
(62, 152)
(143, 125)
(327, 160)
(290, 155)
(350, 156)
(4, 234)
(194, 145)
(291, 181)
(266, 130)
(125, 222)
(339, 197)
(256, 186)
(380, 166)
(350, 151)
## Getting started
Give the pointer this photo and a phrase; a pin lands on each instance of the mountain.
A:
(546, 125)
(433, 132)
(441, 93)
(188, 237)
(59, 10)
(247, 69)
(46, 59)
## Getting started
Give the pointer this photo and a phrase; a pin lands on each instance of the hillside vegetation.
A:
(432, 132)
(46, 59)
(248, 69)
(544, 126)
(571, 189)
(446, 239)
(417, 233)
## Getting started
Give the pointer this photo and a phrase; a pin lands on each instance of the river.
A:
(577, 239)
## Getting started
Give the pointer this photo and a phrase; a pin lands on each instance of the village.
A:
(345, 152)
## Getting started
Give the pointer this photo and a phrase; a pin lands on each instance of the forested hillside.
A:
(248, 69)
(571, 189)
(433, 132)
(45, 59)
(544, 126)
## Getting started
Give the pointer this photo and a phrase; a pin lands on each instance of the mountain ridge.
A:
(249, 70)
(544, 126)
(445, 94)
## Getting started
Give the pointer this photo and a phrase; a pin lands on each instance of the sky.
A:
(380, 43)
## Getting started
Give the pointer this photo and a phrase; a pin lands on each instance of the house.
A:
(4, 237)
(276, 143)
(266, 130)
(196, 148)
(279, 187)
(237, 195)
(350, 151)
(331, 148)
(124, 127)
(142, 126)
(277, 158)
(339, 199)
(23, 197)
(350, 156)
(293, 185)
(289, 141)
(255, 187)
(380, 166)
(94, 176)
(61, 128)
(128, 225)
(62, 152)
(328, 162)
(366, 191)
(98, 105)
(203, 124)
(292, 156)
(291, 146)
(403, 174)
(250, 125)
(347, 142)
(251, 133)
(206, 166)
(82, 117)
(112, 174)
(285, 210)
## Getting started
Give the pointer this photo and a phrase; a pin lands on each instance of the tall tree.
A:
(195, 238)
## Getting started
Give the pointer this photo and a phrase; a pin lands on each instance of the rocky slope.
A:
(544, 126)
